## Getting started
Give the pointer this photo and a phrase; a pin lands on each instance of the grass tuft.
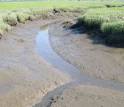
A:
(4, 27)
(109, 21)
(11, 19)
(23, 17)
(113, 27)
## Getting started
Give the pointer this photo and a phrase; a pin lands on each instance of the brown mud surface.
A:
(78, 49)
(87, 54)
(24, 75)
(83, 96)
(27, 78)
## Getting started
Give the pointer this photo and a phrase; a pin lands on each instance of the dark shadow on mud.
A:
(95, 35)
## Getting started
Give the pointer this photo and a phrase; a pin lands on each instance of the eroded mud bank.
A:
(87, 54)
(24, 75)
(85, 90)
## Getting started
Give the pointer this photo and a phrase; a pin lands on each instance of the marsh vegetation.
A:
(105, 16)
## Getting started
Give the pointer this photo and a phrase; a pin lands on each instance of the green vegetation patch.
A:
(92, 21)
(107, 16)
(23, 17)
(11, 19)
(110, 21)
(113, 27)
(4, 27)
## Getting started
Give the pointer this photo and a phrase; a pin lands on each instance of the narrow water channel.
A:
(45, 50)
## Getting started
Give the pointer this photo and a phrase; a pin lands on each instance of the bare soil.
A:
(83, 96)
(74, 48)
(87, 54)
(25, 77)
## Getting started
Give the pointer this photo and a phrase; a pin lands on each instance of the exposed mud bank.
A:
(78, 95)
(88, 54)
(85, 92)
(24, 75)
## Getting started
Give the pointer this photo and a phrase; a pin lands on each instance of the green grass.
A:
(107, 16)
(110, 21)
(4, 27)
(10, 19)
(50, 4)
(101, 15)
(113, 27)
(12, 13)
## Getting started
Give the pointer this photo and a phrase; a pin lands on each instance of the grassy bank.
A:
(109, 21)
(106, 16)
(13, 17)
(12, 13)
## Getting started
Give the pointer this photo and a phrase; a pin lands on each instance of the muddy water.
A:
(45, 50)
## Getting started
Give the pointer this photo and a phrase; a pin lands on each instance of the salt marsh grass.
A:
(110, 21)
(106, 16)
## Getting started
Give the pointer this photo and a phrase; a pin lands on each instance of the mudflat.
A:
(28, 80)
(88, 54)
(25, 76)
(83, 95)
(78, 94)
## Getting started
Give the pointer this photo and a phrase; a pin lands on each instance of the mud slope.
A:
(87, 54)
(24, 75)
(86, 91)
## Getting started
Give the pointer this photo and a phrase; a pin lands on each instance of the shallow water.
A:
(44, 49)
